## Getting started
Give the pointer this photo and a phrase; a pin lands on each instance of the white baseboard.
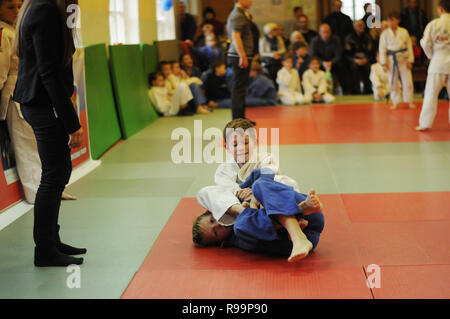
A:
(12, 213)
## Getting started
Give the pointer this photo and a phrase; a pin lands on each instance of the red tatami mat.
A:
(174, 268)
(355, 123)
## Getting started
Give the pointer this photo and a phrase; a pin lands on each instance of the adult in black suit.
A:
(44, 86)
(413, 19)
(341, 25)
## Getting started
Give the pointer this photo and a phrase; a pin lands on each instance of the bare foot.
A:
(422, 129)
(66, 196)
(300, 249)
(394, 106)
(412, 106)
(202, 110)
(213, 105)
(312, 204)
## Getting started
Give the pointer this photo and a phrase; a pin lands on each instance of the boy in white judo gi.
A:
(397, 58)
(289, 86)
(315, 83)
(380, 80)
(436, 45)
(169, 104)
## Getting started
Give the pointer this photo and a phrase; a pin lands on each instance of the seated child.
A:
(209, 53)
(315, 83)
(300, 58)
(289, 84)
(178, 76)
(272, 224)
(181, 102)
(380, 81)
(193, 72)
(240, 142)
(261, 91)
(216, 86)
(165, 69)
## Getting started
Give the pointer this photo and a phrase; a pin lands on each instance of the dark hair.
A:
(366, 5)
(314, 58)
(218, 64)
(208, 10)
(67, 45)
(297, 9)
(162, 63)
(303, 16)
(445, 4)
(298, 45)
(394, 14)
(287, 55)
(197, 230)
(236, 124)
(153, 76)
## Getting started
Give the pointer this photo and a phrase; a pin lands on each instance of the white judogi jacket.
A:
(176, 80)
(314, 82)
(288, 80)
(379, 78)
(9, 65)
(159, 97)
(217, 199)
(436, 44)
(393, 42)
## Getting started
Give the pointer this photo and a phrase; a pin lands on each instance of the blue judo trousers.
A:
(254, 229)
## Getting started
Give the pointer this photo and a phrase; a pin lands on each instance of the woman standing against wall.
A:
(45, 45)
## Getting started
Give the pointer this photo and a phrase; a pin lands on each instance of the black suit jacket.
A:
(42, 78)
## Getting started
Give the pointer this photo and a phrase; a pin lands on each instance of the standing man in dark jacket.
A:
(188, 25)
(359, 51)
(340, 23)
(413, 19)
(240, 54)
(329, 50)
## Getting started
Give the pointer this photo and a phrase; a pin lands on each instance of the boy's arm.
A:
(410, 49)
(225, 176)
(383, 49)
(5, 58)
(322, 84)
(427, 42)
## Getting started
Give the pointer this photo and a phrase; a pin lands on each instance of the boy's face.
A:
(287, 63)
(240, 145)
(253, 73)
(393, 23)
(159, 81)
(187, 61)
(301, 51)
(176, 70)
(221, 70)
(314, 65)
(166, 70)
(211, 43)
(213, 232)
(9, 11)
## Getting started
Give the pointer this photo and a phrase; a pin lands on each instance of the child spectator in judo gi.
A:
(272, 224)
(436, 45)
(315, 83)
(397, 58)
(261, 91)
(380, 80)
(178, 76)
(180, 102)
(289, 86)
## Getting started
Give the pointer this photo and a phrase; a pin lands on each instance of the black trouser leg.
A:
(240, 82)
(56, 169)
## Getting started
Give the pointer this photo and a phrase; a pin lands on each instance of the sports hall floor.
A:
(385, 187)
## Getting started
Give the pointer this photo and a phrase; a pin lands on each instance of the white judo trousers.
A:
(436, 45)
(22, 136)
(380, 81)
(400, 40)
(289, 90)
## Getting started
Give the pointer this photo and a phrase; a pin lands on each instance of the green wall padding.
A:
(150, 55)
(104, 128)
(131, 88)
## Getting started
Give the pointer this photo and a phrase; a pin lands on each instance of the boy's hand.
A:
(244, 194)
(385, 68)
(255, 204)
(409, 66)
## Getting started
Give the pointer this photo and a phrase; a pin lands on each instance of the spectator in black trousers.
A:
(359, 51)
(240, 54)
(330, 52)
(45, 46)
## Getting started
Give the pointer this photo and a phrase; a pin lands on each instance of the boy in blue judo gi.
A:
(271, 223)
